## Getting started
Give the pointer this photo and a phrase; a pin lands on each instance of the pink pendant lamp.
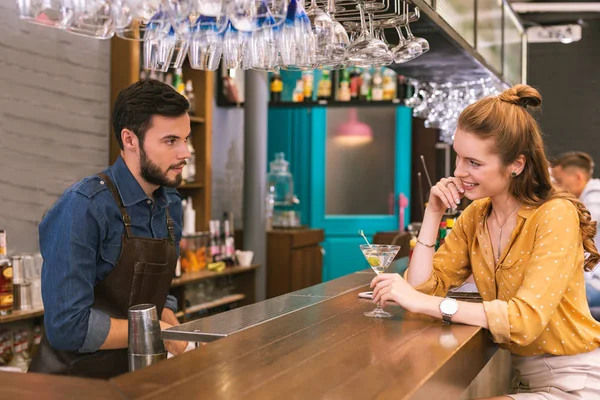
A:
(354, 132)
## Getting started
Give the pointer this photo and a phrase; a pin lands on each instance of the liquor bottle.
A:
(354, 84)
(365, 86)
(449, 226)
(400, 87)
(6, 278)
(412, 244)
(190, 174)
(215, 238)
(37, 340)
(20, 343)
(228, 241)
(191, 97)
(178, 81)
(389, 84)
(169, 79)
(298, 95)
(5, 347)
(377, 88)
(308, 81)
(442, 235)
(276, 87)
(344, 92)
(324, 88)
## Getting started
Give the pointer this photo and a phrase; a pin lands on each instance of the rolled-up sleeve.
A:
(496, 312)
(451, 265)
(70, 236)
(554, 260)
(97, 332)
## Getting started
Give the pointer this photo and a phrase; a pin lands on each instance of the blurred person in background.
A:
(574, 171)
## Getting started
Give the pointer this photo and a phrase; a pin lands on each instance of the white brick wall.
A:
(54, 109)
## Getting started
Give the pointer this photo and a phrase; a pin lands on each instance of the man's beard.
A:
(152, 173)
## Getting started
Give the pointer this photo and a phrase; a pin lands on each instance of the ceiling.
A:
(556, 18)
(451, 59)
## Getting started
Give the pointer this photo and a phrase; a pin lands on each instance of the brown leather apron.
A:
(142, 274)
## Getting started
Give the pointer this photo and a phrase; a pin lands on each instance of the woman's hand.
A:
(394, 287)
(445, 194)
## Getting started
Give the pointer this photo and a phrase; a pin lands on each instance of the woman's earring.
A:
(513, 174)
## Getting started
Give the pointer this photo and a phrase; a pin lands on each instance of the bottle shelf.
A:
(333, 103)
(22, 314)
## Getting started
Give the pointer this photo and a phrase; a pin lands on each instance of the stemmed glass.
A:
(296, 41)
(405, 50)
(131, 17)
(206, 44)
(340, 39)
(233, 46)
(264, 51)
(379, 257)
(410, 37)
(367, 51)
(323, 28)
(253, 15)
(92, 18)
(54, 13)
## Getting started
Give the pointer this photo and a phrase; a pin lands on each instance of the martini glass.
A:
(379, 257)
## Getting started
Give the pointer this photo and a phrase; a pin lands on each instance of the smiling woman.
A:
(522, 239)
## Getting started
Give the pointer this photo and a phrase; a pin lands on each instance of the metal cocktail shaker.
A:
(145, 345)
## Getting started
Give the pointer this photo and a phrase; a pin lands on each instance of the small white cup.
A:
(244, 258)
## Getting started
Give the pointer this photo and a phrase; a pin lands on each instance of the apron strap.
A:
(170, 226)
(115, 193)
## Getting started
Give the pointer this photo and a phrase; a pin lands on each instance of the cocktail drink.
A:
(379, 257)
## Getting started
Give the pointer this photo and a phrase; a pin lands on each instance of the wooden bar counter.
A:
(328, 350)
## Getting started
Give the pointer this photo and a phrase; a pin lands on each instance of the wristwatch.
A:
(448, 307)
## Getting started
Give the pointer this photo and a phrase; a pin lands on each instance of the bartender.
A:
(112, 240)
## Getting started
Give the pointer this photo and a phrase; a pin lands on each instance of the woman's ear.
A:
(519, 164)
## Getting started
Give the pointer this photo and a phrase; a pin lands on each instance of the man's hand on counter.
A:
(168, 320)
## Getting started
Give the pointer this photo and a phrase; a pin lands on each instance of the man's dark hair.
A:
(137, 103)
(577, 159)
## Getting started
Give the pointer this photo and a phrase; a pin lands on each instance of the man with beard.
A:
(112, 240)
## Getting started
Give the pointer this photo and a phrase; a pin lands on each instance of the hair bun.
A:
(522, 95)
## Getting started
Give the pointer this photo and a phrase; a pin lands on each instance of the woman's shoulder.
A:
(555, 209)
(556, 205)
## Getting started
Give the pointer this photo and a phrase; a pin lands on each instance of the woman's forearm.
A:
(468, 313)
(421, 262)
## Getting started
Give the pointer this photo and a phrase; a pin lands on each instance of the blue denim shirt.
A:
(80, 241)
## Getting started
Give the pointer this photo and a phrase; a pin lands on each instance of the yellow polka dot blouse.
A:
(534, 298)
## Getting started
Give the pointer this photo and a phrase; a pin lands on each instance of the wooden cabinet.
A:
(294, 260)
(125, 70)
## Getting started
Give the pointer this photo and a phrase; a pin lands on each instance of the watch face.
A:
(448, 306)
